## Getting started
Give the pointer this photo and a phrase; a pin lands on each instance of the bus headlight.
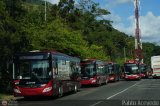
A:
(93, 81)
(126, 76)
(47, 89)
(43, 85)
(17, 91)
(111, 78)
(16, 83)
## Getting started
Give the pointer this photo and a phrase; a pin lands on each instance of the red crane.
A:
(138, 56)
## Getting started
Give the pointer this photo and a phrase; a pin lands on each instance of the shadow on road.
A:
(37, 98)
(43, 98)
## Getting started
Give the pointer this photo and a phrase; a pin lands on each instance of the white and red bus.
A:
(94, 72)
(114, 71)
(131, 70)
(45, 73)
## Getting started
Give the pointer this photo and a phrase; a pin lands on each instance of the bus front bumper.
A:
(18, 91)
(91, 81)
(132, 77)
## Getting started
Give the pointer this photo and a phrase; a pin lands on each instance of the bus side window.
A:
(55, 71)
(54, 68)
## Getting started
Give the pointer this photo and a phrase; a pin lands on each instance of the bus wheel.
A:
(60, 91)
(106, 81)
(75, 88)
(118, 78)
(98, 84)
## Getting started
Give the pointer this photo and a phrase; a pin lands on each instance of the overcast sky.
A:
(122, 15)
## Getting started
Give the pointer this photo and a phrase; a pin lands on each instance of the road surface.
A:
(123, 93)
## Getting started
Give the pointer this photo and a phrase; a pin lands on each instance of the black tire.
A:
(75, 88)
(118, 78)
(60, 91)
(106, 81)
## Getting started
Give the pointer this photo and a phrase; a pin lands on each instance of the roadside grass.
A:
(5, 96)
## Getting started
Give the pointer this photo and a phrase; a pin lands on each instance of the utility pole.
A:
(125, 54)
(138, 45)
(45, 15)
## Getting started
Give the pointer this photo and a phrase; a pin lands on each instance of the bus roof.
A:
(45, 55)
(131, 62)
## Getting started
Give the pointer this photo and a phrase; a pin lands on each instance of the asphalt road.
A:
(145, 92)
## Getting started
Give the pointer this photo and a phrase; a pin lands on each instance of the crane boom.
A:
(138, 45)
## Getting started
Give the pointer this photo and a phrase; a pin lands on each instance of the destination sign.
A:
(32, 57)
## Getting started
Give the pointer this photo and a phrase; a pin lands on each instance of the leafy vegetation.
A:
(75, 29)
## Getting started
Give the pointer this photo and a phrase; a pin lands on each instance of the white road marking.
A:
(96, 103)
(115, 94)
(123, 91)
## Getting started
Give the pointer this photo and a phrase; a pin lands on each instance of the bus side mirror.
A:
(10, 69)
(19, 77)
(126, 72)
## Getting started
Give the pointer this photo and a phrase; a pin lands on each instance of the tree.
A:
(13, 38)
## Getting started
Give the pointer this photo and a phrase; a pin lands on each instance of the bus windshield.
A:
(111, 69)
(88, 70)
(131, 69)
(32, 70)
(143, 68)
